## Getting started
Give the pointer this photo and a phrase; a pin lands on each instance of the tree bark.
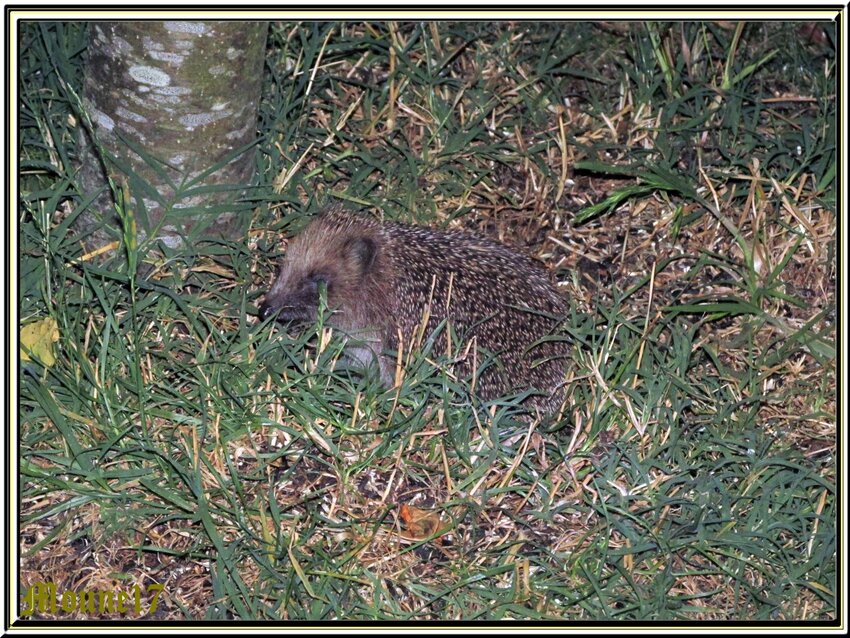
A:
(168, 102)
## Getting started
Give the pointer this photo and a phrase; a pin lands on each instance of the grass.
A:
(679, 179)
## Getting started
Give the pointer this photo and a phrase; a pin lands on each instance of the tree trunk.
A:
(174, 109)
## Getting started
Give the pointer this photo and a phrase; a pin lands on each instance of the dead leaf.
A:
(421, 524)
(38, 338)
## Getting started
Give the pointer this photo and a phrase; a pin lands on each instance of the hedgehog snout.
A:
(298, 305)
(267, 309)
(287, 312)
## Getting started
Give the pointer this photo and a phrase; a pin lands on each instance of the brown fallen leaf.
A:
(421, 524)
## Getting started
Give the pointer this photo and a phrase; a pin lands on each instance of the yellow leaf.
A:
(38, 338)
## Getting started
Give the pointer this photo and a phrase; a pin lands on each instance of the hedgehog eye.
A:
(316, 279)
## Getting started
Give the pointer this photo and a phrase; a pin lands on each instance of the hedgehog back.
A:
(501, 298)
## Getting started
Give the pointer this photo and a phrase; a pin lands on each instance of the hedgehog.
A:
(385, 279)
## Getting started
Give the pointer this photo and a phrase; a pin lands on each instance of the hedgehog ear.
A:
(362, 251)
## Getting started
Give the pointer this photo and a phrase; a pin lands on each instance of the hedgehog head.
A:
(335, 250)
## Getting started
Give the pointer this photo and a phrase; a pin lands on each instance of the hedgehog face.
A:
(294, 298)
(314, 259)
